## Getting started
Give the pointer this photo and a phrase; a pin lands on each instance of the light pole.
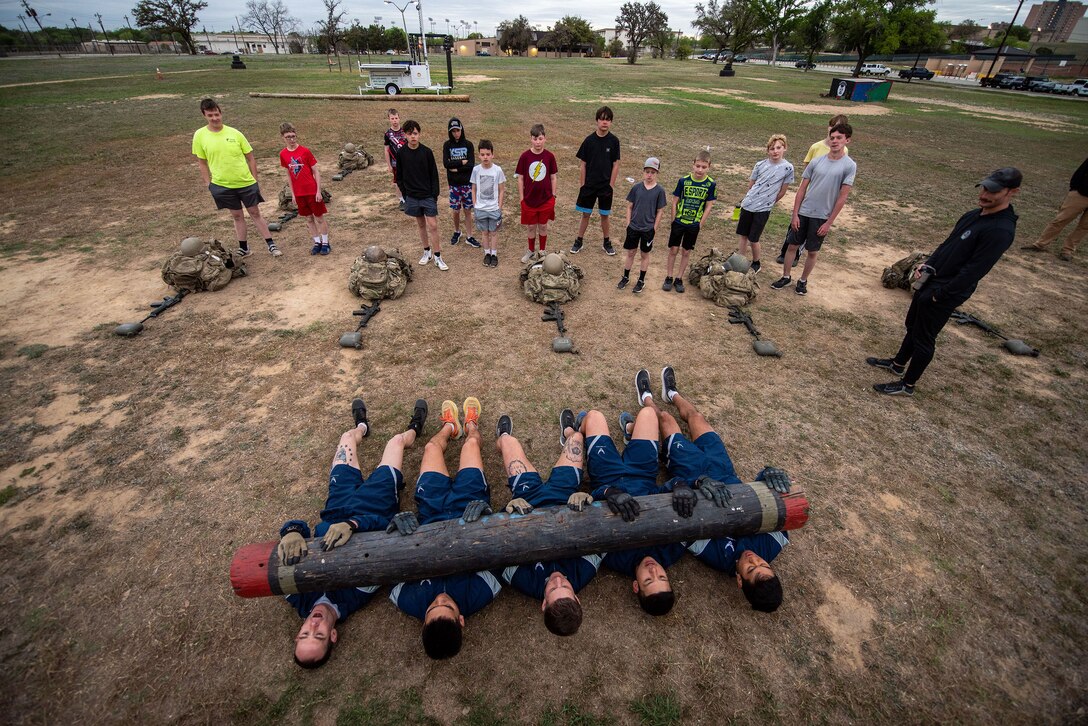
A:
(431, 21)
(1001, 45)
(407, 40)
(447, 26)
(476, 25)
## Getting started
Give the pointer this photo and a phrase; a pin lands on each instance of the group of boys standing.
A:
(698, 466)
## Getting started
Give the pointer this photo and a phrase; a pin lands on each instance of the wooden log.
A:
(445, 548)
(399, 98)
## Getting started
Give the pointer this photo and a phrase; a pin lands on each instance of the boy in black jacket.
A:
(459, 161)
(417, 177)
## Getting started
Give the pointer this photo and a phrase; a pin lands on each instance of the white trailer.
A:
(395, 77)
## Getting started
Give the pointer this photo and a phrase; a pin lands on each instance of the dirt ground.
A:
(941, 577)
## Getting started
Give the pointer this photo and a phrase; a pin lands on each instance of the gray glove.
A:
(403, 522)
(623, 504)
(336, 535)
(292, 548)
(519, 506)
(714, 490)
(684, 500)
(475, 510)
(775, 479)
(579, 501)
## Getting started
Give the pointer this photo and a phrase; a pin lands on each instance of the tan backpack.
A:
(899, 274)
(210, 270)
(541, 287)
(385, 280)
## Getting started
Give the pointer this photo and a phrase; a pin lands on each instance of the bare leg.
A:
(684, 262)
(574, 452)
(594, 424)
(421, 223)
(755, 251)
(347, 449)
(810, 262)
(646, 424)
(432, 233)
(434, 454)
(583, 225)
(514, 460)
(697, 425)
(394, 449)
(672, 260)
(322, 225)
(258, 221)
(470, 448)
(457, 220)
(311, 225)
(239, 218)
(787, 266)
(630, 261)
(742, 245)
(605, 225)
(665, 421)
(645, 263)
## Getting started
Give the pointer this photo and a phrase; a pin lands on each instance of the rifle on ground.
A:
(762, 347)
(1013, 345)
(129, 330)
(365, 313)
(561, 344)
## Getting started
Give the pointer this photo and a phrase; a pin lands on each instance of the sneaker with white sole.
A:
(781, 283)
(667, 285)
(273, 249)
(455, 238)
(243, 252)
(472, 411)
(452, 417)
(895, 388)
(505, 425)
(473, 242)
(426, 256)
(887, 364)
(639, 285)
(440, 263)
(608, 248)
(678, 285)
(668, 383)
(801, 288)
(626, 420)
(526, 257)
(316, 249)
(577, 246)
(642, 386)
(566, 421)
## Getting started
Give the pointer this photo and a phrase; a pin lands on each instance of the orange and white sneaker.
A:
(451, 416)
(472, 411)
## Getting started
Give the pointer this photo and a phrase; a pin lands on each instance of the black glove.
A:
(684, 499)
(403, 522)
(775, 479)
(475, 510)
(714, 490)
(623, 504)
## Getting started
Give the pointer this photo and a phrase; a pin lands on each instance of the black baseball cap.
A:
(1007, 177)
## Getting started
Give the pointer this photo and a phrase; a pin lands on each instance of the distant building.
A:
(1080, 31)
(1054, 20)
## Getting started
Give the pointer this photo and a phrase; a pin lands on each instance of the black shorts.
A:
(683, 236)
(589, 196)
(807, 234)
(227, 198)
(751, 224)
(642, 240)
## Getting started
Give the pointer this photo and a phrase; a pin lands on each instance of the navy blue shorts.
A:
(706, 456)
(350, 495)
(439, 497)
(563, 481)
(635, 471)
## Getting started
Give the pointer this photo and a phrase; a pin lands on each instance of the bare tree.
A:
(331, 27)
(640, 21)
(269, 18)
(172, 16)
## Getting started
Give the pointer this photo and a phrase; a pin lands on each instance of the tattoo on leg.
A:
(341, 455)
(573, 450)
(517, 466)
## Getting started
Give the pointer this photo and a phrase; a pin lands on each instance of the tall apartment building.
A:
(1054, 20)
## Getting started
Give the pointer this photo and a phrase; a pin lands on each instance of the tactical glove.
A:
(403, 522)
(579, 501)
(714, 490)
(292, 548)
(337, 534)
(475, 510)
(623, 504)
(775, 479)
(519, 506)
(684, 500)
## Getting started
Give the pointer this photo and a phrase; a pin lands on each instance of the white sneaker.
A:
(440, 263)
(425, 258)
(526, 257)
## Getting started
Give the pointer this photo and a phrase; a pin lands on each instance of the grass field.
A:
(941, 577)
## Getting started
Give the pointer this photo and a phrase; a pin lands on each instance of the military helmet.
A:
(738, 262)
(553, 264)
(349, 148)
(192, 246)
(374, 253)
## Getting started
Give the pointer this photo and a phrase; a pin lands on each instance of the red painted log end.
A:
(249, 570)
(796, 509)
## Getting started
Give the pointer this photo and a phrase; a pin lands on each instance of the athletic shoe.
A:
(426, 257)
(566, 419)
(1065, 256)
(504, 426)
(625, 419)
(895, 388)
(781, 283)
(487, 259)
(668, 383)
(642, 386)
(678, 285)
(440, 263)
(639, 285)
(801, 288)
(526, 257)
(887, 364)
(316, 248)
(667, 285)
(622, 283)
(756, 265)
(495, 259)
(243, 252)
(400, 206)
(608, 248)
(472, 411)
(419, 416)
(274, 250)
(780, 259)
(453, 418)
(358, 412)
(579, 419)
(576, 247)
(455, 238)
(325, 249)
(472, 242)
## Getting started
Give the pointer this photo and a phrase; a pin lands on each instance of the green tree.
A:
(870, 27)
(966, 30)
(919, 31)
(778, 18)
(747, 19)
(615, 48)
(515, 35)
(662, 42)
(813, 30)
(640, 21)
(712, 21)
(173, 16)
(684, 49)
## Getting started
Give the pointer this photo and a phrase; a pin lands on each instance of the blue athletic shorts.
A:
(706, 456)
(563, 481)
(635, 470)
(349, 494)
(439, 497)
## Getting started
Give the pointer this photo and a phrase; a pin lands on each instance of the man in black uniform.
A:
(951, 275)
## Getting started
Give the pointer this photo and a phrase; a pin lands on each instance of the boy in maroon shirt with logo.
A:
(305, 188)
(537, 181)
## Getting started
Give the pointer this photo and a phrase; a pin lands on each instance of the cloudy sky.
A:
(486, 14)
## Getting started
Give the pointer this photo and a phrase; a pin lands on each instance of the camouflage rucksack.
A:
(286, 205)
(386, 279)
(212, 269)
(721, 284)
(899, 274)
(354, 161)
(541, 287)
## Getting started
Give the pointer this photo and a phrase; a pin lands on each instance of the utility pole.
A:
(29, 34)
(94, 40)
(34, 14)
(240, 30)
(1001, 45)
(99, 16)
(134, 39)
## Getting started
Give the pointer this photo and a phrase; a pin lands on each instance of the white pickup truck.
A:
(1078, 87)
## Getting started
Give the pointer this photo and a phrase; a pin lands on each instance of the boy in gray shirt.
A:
(770, 179)
(824, 187)
(645, 205)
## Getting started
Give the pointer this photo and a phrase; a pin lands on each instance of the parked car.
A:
(1025, 85)
(208, 52)
(1039, 84)
(1011, 81)
(740, 59)
(875, 69)
(993, 81)
(390, 52)
(1070, 89)
(804, 64)
(483, 52)
(923, 73)
(1082, 91)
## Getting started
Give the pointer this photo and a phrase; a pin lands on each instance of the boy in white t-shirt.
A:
(488, 189)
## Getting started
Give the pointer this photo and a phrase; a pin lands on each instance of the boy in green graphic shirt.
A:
(692, 199)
